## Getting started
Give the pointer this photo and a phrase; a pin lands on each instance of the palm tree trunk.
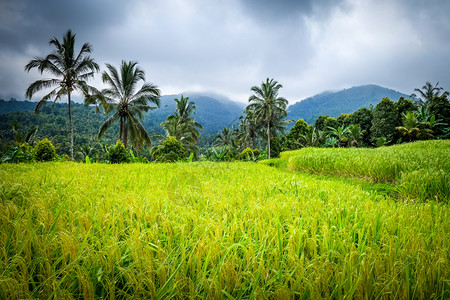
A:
(125, 132)
(71, 127)
(121, 129)
(268, 140)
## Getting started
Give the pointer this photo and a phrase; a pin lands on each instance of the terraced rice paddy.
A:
(215, 231)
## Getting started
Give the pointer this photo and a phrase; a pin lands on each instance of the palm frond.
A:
(114, 117)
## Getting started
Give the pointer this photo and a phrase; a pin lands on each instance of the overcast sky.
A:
(229, 46)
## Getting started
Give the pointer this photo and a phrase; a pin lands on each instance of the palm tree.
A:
(248, 129)
(339, 133)
(413, 128)
(429, 92)
(181, 124)
(127, 103)
(72, 70)
(226, 137)
(356, 134)
(267, 107)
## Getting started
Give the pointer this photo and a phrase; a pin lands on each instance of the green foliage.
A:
(324, 122)
(118, 154)
(17, 154)
(171, 150)
(363, 117)
(44, 151)
(440, 108)
(404, 105)
(294, 139)
(249, 155)
(381, 141)
(385, 119)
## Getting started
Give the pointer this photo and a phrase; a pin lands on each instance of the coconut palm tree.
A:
(267, 106)
(70, 69)
(181, 124)
(127, 103)
(429, 92)
(413, 128)
(248, 129)
(226, 137)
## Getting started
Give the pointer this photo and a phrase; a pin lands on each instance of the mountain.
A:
(341, 102)
(212, 112)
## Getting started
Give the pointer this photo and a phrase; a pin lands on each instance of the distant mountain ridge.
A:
(213, 114)
(346, 101)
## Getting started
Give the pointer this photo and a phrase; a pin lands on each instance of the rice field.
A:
(420, 170)
(213, 231)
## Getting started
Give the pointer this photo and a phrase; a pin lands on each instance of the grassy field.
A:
(420, 170)
(213, 230)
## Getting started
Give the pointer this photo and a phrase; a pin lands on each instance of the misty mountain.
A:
(341, 102)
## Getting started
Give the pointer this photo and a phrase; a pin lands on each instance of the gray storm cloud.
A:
(229, 46)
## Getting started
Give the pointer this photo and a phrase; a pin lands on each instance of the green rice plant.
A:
(419, 169)
(214, 231)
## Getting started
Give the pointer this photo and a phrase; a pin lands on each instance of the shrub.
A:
(246, 154)
(44, 150)
(171, 150)
(118, 154)
(249, 154)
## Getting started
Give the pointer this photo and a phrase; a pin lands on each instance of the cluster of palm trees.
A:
(122, 96)
(419, 124)
(264, 117)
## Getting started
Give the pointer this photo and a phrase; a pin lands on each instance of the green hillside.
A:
(342, 102)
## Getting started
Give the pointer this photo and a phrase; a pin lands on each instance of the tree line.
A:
(425, 116)
(262, 126)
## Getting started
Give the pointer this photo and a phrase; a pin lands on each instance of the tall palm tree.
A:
(181, 124)
(267, 106)
(127, 103)
(70, 69)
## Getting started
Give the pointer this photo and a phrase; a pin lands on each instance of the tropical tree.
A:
(355, 134)
(429, 92)
(385, 119)
(226, 137)
(340, 133)
(295, 137)
(412, 127)
(182, 125)
(248, 130)
(127, 103)
(267, 106)
(70, 69)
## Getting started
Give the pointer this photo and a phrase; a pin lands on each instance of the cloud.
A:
(229, 46)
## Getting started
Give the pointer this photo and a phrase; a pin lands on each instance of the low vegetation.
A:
(213, 230)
